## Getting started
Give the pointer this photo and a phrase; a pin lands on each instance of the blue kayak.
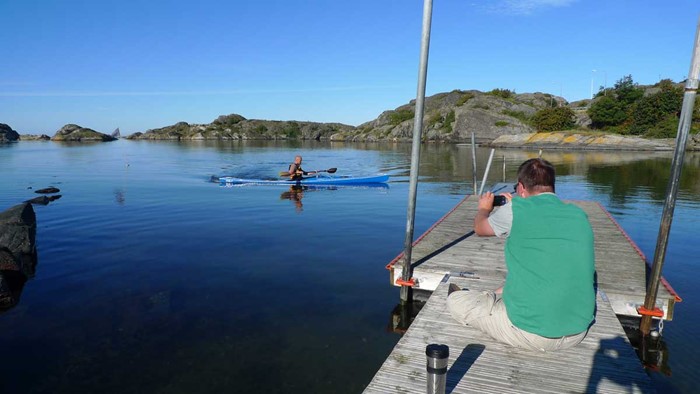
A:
(320, 180)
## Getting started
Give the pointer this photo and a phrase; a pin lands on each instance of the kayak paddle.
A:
(330, 171)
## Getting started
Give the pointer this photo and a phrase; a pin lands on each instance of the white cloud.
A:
(526, 7)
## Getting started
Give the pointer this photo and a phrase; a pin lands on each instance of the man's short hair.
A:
(537, 175)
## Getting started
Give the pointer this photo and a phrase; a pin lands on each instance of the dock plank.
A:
(603, 363)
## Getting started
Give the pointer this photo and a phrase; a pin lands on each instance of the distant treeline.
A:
(651, 112)
(626, 108)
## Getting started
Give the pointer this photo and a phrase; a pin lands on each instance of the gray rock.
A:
(8, 262)
(11, 285)
(17, 252)
(453, 116)
(75, 133)
(18, 236)
(236, 127)
(7, 134)
(34, 137)
(47, 190)
(43, 200)
(576, 141)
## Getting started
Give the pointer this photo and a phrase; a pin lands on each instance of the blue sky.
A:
(138, 65)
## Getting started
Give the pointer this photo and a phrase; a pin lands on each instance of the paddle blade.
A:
(331, 170)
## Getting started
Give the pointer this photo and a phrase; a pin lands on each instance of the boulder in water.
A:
(47, 190)
(18, 255)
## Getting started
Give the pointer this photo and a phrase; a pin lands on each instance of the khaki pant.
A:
(487, 312)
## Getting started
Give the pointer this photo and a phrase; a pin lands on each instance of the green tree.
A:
(657, 111)
(553, 119)
(612, 108)
(502, 93)
(627, 91)
(607, 112)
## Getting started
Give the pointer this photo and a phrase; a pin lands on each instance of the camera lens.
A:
(499, 200)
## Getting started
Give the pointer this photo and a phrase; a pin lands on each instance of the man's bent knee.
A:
(467, 306)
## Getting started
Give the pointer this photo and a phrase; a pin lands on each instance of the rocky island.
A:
(236, 127)
(624, 117)
(7, 134)
(73, 132)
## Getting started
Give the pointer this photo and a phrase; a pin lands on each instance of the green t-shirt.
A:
(549, 290)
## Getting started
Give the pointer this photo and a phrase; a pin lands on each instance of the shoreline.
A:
(549, 140)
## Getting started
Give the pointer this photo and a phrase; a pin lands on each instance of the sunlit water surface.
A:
(153, 278)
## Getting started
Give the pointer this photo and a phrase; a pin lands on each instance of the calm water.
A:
(151, 278)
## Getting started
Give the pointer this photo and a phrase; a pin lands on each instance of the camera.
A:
(499, 200)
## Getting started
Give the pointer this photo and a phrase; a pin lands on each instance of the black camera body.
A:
(499, 200)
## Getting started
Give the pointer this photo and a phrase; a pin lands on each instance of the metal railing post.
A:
(415, 153)
(691, 87)
(486, 172)
(474, 163)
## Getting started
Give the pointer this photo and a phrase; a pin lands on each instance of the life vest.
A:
(292, 173)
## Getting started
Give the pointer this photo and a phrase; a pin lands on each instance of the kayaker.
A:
(548, 300)
(295, 171)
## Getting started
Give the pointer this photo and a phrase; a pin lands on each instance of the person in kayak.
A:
(548, 300)
(295, 171)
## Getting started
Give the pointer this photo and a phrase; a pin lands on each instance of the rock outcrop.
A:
(73, 132)
(48, 190)
(236, 127)
(34, 137)
(18, 255)
(7, 134)
(573, 140)
(453, 116)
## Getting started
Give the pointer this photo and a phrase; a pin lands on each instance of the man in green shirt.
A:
(548, 299)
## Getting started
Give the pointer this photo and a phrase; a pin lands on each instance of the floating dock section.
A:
(450, 252)
(451, 247)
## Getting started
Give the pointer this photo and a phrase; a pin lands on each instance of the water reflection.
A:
(11, 286)
(119, 196)
(652, 350)
(403, 315)
(295, 194)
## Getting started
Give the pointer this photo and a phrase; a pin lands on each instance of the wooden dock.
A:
(450, 246)
(450, 252)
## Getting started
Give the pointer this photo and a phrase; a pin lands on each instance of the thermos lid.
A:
(437, 351)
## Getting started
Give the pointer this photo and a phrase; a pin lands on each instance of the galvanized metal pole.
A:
(504, 168)
(474, 162)
(407, 272)
(691, 88)
(486, 172)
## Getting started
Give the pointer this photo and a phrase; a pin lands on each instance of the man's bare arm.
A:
(481, 222)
